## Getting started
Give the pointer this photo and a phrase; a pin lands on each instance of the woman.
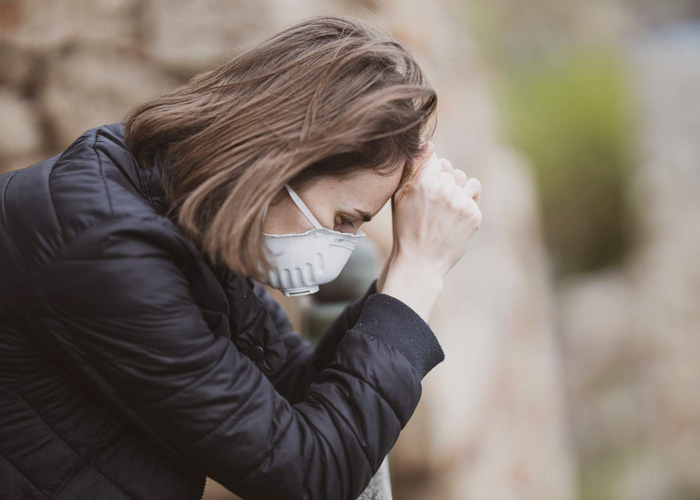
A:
(138, 353)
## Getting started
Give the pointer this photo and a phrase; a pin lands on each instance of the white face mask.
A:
(302, 261)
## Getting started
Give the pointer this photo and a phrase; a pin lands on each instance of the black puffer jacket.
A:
(131, 368)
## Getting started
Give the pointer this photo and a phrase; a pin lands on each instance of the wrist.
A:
(414, 284)
(385, 269)
(417, 270)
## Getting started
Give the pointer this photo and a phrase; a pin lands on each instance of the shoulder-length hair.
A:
(326, 96)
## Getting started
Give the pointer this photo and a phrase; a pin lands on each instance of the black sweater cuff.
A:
(395, 322)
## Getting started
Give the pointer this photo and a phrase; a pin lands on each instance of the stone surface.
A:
(44, 27)
(665, 267)
(631, 334)
(16, 67)
(20, 133)
(379, 487)
(194, 36)
(87, 88)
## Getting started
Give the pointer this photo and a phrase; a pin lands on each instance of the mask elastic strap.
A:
(302, 206)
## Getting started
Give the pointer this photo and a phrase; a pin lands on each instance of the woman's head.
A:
(330, 105)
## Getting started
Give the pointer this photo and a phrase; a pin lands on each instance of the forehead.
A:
(365, 189)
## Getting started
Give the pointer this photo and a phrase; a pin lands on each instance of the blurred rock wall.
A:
(631, 333)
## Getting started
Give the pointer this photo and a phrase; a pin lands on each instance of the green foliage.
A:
(600, 478)
(571, 115)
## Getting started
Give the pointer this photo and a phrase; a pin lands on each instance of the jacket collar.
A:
(153, 184)
(148, 180)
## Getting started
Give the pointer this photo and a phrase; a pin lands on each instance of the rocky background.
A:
(571, 327)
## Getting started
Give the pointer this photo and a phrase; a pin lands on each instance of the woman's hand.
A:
(471, 188)
(428, 151)
(434, 214)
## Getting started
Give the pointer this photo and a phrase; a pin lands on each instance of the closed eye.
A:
(346, 225)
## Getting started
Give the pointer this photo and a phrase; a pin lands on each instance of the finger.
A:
(432, 168)
(448, 178)
(473, 188)
(460, 177)
(446, 165)
(478, 191)
(458, 196)
(476, 212)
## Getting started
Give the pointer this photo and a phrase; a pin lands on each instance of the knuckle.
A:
(412, 186)
(456, 203)
(447, 164)
(447, 177)
(477, 217)
(446, 189)
(429, 190)
(465, 208)
(422, 183)
(472, 207)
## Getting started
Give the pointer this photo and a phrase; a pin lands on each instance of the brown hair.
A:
(326, 96)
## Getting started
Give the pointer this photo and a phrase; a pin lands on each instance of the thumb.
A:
(432, 168)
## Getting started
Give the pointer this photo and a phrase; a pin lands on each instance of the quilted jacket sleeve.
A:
(304, 360)
(119, 300)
